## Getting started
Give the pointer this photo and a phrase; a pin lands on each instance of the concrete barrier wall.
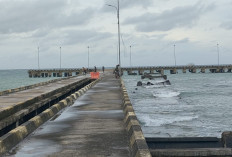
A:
(7, 115)
(5, 92)
(16, 135)
(138, 144)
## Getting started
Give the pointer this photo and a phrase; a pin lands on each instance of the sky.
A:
(149, 31)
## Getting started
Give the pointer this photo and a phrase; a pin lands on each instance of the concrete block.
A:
(227, 139)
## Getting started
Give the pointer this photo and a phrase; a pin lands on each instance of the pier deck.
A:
(18, 107)
(12, 99)
(92, 126)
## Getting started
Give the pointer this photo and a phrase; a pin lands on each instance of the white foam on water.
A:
(148, 120)
(156, 86)
(165, 93)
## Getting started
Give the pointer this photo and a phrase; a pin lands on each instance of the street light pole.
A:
(60, 57)
(218, 52)
(88, 57)
(175, 53)
(130, 55)
(38, 58)
(119, 47)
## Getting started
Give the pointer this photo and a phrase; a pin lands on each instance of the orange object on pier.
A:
(95, 75)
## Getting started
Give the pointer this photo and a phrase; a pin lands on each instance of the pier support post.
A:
(35, 75)
(141, 72)
(202, 70)
(194, 70)
(59, 74)
(222, 70)
(173, 71)
(184, 70)
(50, 74)
(162, 71)
(42, 74)
(69, 73)
(227, 139)
(212, 70)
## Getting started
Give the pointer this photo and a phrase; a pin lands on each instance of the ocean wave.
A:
(165, 94)
(148, 120)
(156, 86)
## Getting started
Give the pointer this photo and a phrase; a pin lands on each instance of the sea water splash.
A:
(165, 93)
(193, 105)
(162, 120)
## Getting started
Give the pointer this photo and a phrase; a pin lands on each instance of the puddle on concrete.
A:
(34, 147)
(51, 128)
(103, 114)
(98, 91)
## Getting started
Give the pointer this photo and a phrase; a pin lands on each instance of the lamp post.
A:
(218, 52)
(88, 57)
(117, 8)
(38, 58)
(175, 53)
(60, 57)
(130, 55)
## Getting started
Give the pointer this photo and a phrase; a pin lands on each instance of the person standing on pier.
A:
(116, 71)
(95, 69)
(103, 69)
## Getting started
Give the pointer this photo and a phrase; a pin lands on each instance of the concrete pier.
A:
(84, 121)
(174, 69)
(17, 107)
(92, 126)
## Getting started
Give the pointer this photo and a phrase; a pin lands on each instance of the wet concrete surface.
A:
(92, 126)
(22, 96)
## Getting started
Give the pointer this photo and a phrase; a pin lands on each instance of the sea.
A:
(194, 105)
(10, 79)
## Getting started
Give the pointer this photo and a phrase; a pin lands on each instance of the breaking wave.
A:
(165, 94)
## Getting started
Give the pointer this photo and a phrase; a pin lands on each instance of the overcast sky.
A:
(150, 27)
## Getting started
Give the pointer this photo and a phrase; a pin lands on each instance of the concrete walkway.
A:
(92, 127)
(12, 99)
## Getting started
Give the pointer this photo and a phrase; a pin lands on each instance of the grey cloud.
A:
(185, 40)
(167, 20)
(130, 3)
(227, 25)
(84, 36)
(25, 16)
(127, 4)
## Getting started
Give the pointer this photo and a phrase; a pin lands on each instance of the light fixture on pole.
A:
(175, 53)
(119, 49)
